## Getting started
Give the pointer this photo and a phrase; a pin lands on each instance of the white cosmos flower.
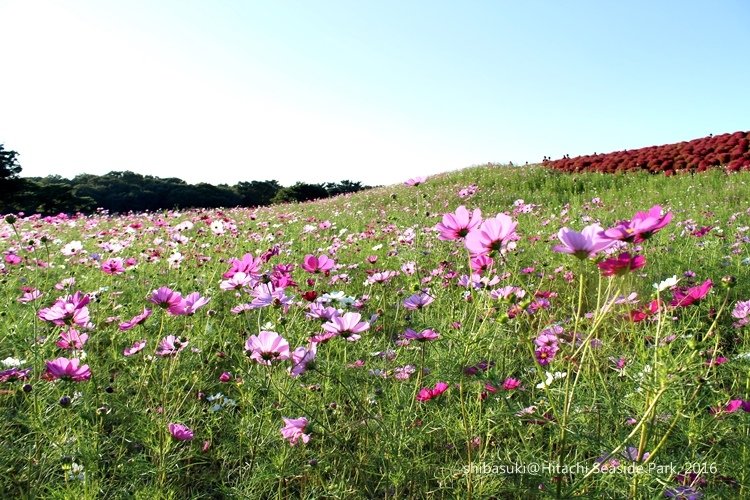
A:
(666, 284)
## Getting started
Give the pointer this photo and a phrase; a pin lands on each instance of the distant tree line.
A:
(127, 191)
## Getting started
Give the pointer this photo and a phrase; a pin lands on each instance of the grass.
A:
(369, 435)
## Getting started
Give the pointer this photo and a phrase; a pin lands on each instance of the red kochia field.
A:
(727, 151)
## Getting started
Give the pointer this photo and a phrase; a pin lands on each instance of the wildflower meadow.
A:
(493, 332)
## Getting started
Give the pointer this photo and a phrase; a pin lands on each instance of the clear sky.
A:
(368, 90)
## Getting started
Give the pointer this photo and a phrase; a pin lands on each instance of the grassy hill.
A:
(528, 378)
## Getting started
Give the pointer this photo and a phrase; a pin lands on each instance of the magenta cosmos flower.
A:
(640, 227)
(623, 264)
(313, 264)
(585, 244)
(294, 430)
(267, 347)
(347, 326)
(180, 432)
(113, 266)
(457, 225)
(136, 320)
(248, 264)
(168, 299)
(426, 393)
(67, 369)
(683, 297)
(493, 235)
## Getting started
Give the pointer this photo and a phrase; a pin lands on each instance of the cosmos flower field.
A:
(493, 332)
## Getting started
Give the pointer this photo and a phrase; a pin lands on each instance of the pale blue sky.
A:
(375, 91)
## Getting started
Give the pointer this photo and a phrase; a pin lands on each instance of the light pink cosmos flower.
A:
(268, 295)
(426, 393)
(585, 244)
(193, 302)
(302, 358)
(171, 345)
(72, 339)
(640, 227)
(418, 301)
(425, 335)
(321, 264)
(415, 181)
(180, 432)
(237, 281)
(294, 430)
(348, 326)
(267, 347)
(29, 296)
(136, 347)
(457, 225)
(136, 320)
(741, 312)
(493, 235)
(67, 369)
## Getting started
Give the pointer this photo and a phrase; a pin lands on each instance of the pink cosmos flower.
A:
(457, 225)
(621, 265)
(313, 264)
(136, 320)
(67, 369)
(268, 295)
(493, 235)
(640, 227)
(294, 430)
(171, 345)
(418, 301)
(70, 309)
(683, 297)
(481, 263)
(511, 384)
(168, 299)
(113, 266)
(180, 432)
(415, 181)
(72, 339)
(225, 377)
(267, 347)
(248, 264)
(426, 394)
(193, 302)
(422, 336)
(741, 312)
(316, 310)
(347, 326)
(136, 347)
(585, 244)
(29, 296)
(302, 358)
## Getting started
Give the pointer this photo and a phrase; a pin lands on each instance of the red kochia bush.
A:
(728, 151)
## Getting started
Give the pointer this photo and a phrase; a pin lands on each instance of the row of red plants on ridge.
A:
(728, 151)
